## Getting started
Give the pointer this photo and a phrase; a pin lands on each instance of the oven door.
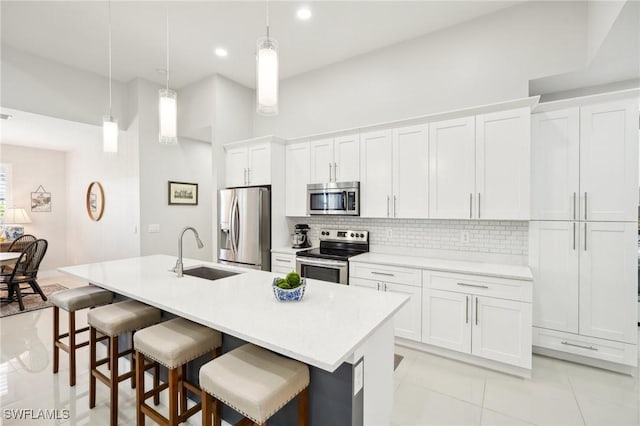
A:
(333, 271)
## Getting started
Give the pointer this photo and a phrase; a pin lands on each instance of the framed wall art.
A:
(183, 193)
(95, 201)
(41, 200)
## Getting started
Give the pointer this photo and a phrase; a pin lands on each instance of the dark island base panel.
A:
(331, 400)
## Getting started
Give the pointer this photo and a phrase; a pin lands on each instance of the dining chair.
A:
(18, 245)
(25, 271)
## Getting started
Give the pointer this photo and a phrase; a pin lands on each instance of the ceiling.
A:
(40, 131)
(75, 33)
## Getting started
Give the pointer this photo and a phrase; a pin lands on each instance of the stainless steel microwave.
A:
(337, 198)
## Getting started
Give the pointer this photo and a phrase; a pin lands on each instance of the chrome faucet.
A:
(178, 268)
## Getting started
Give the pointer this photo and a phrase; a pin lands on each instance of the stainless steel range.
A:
(330, 262)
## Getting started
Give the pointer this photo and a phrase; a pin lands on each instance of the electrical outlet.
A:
(358, 377)
(153, 228)
(389, 233)
(464, 237)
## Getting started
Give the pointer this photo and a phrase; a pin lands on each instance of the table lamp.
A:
(14, 218)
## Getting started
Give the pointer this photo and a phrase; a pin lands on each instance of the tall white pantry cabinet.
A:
(583, 233)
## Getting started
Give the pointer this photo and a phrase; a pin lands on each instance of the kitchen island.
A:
(345, 334)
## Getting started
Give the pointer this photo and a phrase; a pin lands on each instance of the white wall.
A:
(115, 235)
(482, 61)
(34, 84)
(189, 161)
(32, 167)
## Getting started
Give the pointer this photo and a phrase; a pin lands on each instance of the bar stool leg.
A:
(113, 360)
(56, 337)
(173, 396)
(207, 408)
(92, 367)
(132, 363)
(156, 383)
(140, 389)
(303, 407)
(183, 389)
(72, 349)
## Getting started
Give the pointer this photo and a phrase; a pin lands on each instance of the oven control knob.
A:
(352, 235)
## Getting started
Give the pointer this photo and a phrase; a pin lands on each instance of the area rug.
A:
(397, 359)
(32, 302)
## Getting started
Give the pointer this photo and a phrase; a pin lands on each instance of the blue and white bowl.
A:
(289, 295)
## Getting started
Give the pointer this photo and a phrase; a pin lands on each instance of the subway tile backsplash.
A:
(489, 237)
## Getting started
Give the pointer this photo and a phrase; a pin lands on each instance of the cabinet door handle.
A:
(574, 236)
(386, 274)
(574, 206)
(248, 175)
(385, 286)
(591, 348)
(335, 172)
(281, 260)
(470, 205)
(378, 286)
(330, 175)
(387, 206)
(244, 175)
(585, 236)
(478, 205)
(466, 311)
(394, 207)
(472, 285)
(476, 310)
(585, 205)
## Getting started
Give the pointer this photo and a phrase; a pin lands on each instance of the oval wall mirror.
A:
(95, 201)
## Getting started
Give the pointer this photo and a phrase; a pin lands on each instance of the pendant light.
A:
(267, 74)
(109, 124)
(168, 105)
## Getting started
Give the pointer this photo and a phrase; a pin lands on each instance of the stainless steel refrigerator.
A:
(244, 232)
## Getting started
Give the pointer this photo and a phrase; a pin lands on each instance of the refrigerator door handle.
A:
(232, 228)
(237, 223)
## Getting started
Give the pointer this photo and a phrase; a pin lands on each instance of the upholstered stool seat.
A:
(173, 344)
(255, 382)
(112, 321)
(73, 300)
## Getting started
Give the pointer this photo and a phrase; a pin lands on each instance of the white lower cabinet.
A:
(283, 263)
(471, 322)
(407, 321)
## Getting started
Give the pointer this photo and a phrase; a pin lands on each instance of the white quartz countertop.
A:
(322, 330)
(518, 272)
(288, 250)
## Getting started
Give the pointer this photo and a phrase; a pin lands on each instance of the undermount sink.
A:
(209, 273)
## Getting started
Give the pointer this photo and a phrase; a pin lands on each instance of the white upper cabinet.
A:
(452, 168)
(555, 148)
(503, 164)
(248, 165)
(609, 161)
(297, 177)
(554, 248)
(236, 160)
(335, 160)
(259, 167)
(608, 284)
(321, 161)
(410, 172)
(376, 166)
(346, 152)
(584, 163)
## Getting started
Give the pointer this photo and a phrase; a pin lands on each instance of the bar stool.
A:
(112, 321)
(255, 382)
(73, 300)
(173, 344)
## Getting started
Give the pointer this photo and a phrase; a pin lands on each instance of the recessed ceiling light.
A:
(221, 52)
(304, 13)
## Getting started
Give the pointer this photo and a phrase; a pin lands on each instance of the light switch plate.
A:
(153, 228)
(389, 233)
(464, 237)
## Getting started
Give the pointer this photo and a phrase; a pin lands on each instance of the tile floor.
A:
(429, 390)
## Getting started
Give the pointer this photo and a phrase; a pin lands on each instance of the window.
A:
(5, 187)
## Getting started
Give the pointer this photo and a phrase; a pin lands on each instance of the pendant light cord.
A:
(267, 20)
(110, 78)
(167, 34)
